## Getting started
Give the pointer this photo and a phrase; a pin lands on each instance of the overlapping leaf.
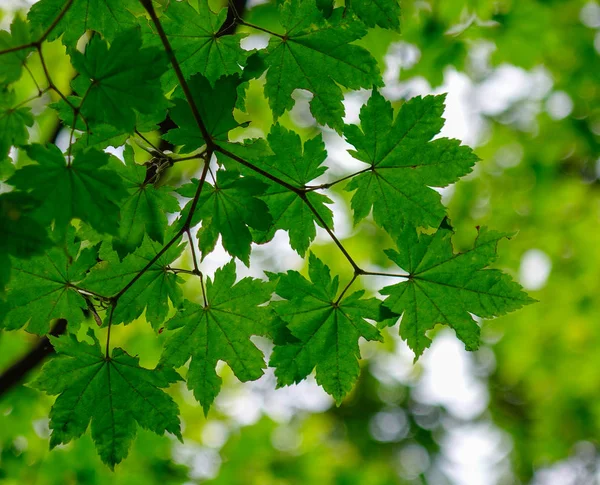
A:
(327, 330)
(11, 66)
(114, 393)
(42, 288)
(384, 13)
(144, 211)
(220, 330)
(109, 17)
(13, 123)
(192, 33)
(86, 189)
(285, 158)
(151, 292)
(446, 288)
(112, 87)
(228, 209)
(316, 54)
(404, 162)
(215, 106)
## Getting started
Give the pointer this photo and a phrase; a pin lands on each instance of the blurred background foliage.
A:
(523, 83)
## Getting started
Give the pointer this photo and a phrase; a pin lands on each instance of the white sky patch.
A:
(535, 269)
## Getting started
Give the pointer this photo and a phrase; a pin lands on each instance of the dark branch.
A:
(15, 374)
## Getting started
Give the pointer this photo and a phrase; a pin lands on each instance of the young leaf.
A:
(113, 87)
(192, 35)
(42, 288)
(315, 54)
(404, 162)
(109, 17)
(114, 393)
(85, 189)
(328, 331)
(151, 292)
(228, 209)
(144, 211)
(444, 287)
(220, 330)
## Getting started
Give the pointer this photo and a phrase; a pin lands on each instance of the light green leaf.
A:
(220, 330)
(328, 331)
(114, 393)
(446, 288)
(404, 162)
(315, 54)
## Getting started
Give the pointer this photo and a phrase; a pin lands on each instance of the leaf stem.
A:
(346, 289)
(310, 188)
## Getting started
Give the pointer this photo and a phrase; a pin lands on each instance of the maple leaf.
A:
(404, 162)
(228, 209)
(109, 17)
(12, 64)
(192, 33)
(315, 54)
(285, 158)
(151, 292)
(13, 123)
(85, 189)
(215, 106)
(446, 288)
(327, 330)
(112, 87)
(113, 393)
(22, 236)
(384, 13)
(144, 211)
(42, 288)
(220, 330)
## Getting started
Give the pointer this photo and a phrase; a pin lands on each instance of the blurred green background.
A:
(523, 84)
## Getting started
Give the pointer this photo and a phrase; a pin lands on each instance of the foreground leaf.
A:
(151, 292)
(404, 162)
(114, 393)
(328, 331)
(315, 54)
(220, 330)
(228, 209)
(446, 288)
(13, 123)
(11, 66)
(86, 189)
(384, 13)
(42, 288)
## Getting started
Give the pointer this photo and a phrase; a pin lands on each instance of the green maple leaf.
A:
(285, 158)
(151, 292)
(112, 87)
(444, 287)
(215, 106)
(315, 54)
(144, 211)
(85, 189)
(42, 288)
(109, 17)
(114, 393)
(328, 331)
(384, 13)
(11, 66)
(13, 123)
(192, 35)
(404, 162)
(20, 235)
(220, 330)
(229, 209)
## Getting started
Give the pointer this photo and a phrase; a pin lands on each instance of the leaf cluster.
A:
(86, 233)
